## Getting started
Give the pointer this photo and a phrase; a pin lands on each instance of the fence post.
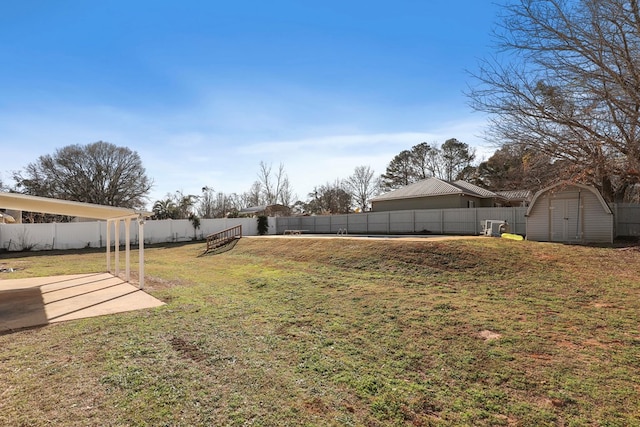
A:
(109, 245)
(367, 222)
(127, 248)
(615, 219)
(475, 221)
(117, 246)
(413, 218)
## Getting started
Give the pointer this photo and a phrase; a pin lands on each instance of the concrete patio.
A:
(43, 300)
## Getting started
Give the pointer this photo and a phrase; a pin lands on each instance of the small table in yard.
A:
(293, 232)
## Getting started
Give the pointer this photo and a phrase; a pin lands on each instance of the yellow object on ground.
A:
(512, 236)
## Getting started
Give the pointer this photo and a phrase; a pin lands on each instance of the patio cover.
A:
(65, 207)
(111, 214)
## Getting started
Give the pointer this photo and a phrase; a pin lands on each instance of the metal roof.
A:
(515, 194)
(23, 202)
(474, 189)
(435, 187)
(563, 184)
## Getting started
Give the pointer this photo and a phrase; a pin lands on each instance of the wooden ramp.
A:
(43, 300)
(222, 238)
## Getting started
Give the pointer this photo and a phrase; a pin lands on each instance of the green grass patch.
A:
(482, 332)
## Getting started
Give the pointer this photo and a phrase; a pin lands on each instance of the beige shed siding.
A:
(598, 224)
(538, 220)
(583, 217)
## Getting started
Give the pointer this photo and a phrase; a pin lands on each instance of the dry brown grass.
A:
(341, 332)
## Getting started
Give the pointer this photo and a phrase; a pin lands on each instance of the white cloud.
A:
(221, 143)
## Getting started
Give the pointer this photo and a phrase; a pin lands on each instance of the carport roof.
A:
(28, 203)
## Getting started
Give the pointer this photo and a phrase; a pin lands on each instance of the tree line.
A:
(105, 174)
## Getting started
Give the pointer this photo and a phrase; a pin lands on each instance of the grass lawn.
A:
(291, 332)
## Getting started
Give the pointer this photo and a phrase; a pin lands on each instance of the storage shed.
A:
(570, 213)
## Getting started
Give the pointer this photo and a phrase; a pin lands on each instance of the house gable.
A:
(433, 193)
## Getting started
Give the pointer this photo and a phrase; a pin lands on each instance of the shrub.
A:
(263, 225)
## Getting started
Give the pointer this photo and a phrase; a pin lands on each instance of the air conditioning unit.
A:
(495, 227)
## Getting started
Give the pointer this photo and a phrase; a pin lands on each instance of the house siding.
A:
(570, 214)
(453, 201)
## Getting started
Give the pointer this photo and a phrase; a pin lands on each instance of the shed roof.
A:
(436, 187)
(563, 184)
(66, 207)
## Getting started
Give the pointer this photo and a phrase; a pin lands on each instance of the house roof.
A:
(28, 203)
(436, 187)
(253, 209)
(474, 189)
(515, 194)
(262, 208)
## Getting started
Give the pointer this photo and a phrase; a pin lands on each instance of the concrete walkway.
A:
(43, 300)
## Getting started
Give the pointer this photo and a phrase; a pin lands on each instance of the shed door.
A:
(564, 220)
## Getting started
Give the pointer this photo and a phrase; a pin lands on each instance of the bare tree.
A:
(567, 83)
(220, 205)
(274, 187)
(95, 173)
(362, 186)
(265, 179)
(285, 192)
(514, 167)
(329, 199)
(253, 197)
(207, 205)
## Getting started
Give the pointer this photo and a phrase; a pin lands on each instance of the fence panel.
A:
(459, 221)
(78, 235)
(25, 237)
(627, 217)
(429, 221)
(339, 222)
(378, 222)
(322, 224)
(401, 222)
(357, 223)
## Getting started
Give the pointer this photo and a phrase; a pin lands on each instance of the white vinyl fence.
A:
(77, 235)
(626, 220)
(428, 221)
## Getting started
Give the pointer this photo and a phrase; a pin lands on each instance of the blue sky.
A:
(206, 90)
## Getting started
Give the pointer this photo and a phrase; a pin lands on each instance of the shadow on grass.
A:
(4, 254)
